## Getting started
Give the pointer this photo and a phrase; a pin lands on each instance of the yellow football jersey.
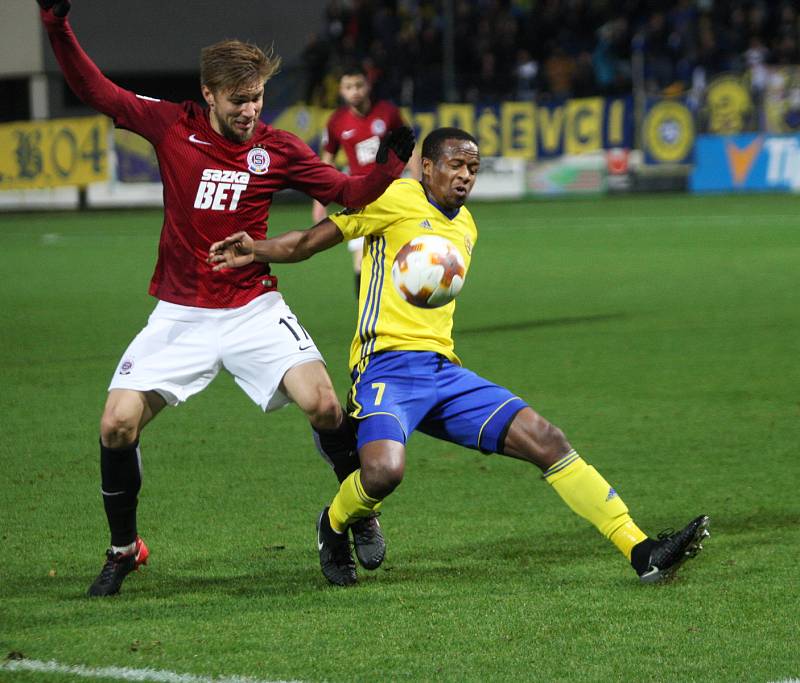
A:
(386, 322)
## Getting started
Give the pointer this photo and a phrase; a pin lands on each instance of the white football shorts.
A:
(182, 349)
(356, 244)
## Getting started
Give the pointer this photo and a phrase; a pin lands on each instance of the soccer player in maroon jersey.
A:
(220, 166)
(357, 128)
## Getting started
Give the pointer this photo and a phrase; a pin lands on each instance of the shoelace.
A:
(112, 561)
(371, 516)
(341, 551)
(673, 542)
(365, 524)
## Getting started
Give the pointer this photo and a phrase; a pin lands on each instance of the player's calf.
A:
(533, 438)
(338, 447)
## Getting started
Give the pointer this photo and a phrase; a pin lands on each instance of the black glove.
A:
(400, 141)
(60, 7)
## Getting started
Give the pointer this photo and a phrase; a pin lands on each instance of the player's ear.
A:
(208, 96)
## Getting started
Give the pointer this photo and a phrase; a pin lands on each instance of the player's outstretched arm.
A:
(80, 72)
(240, 249)
(391, 159)
(318, 211)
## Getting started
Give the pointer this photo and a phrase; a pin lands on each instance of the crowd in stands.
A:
(546, 50)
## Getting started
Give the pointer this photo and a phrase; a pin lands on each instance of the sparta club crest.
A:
(258, 160)
(378, 127)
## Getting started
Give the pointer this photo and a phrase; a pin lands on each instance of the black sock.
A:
(339, 448)
(640, 555)
(121, 476)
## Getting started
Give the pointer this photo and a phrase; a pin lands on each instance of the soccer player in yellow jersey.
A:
(406, 375)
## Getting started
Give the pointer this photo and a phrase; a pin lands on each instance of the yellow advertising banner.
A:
(523, 130)
(41, 154)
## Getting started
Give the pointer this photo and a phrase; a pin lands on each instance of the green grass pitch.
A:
(662, 333)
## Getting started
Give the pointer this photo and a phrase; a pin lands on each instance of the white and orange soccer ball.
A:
(428, 271)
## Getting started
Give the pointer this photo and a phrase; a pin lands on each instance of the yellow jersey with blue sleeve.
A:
(386, 321)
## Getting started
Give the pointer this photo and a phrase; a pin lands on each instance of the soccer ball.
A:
(428, 271)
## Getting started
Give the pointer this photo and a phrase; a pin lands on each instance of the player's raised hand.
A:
(400, 140)
(234, 251)
(59, 7)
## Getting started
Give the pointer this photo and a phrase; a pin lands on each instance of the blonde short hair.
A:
(230, 65)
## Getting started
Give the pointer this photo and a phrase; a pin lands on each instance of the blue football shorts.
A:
(396, 392)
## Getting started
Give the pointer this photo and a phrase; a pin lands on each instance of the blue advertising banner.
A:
(746, 163)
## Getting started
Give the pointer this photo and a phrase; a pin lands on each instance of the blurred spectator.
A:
(315, 61)
(560, 70)
(526, 74)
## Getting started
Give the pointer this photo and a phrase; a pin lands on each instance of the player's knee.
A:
(326, 413)
(554, 443)
(118, 430)
(380, 477)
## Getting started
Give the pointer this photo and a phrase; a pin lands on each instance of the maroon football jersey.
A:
(212, 186)
(360, 136)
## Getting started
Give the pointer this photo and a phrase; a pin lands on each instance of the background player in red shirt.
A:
(220, 166)
(357, 128)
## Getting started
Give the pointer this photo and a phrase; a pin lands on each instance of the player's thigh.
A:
(310, 387)
(391, 394)
(472, 411)
(175, 355)
(261, 344)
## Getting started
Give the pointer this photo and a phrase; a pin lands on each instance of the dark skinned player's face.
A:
(449, 179)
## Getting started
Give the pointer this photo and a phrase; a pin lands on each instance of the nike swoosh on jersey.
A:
(194, 138)
(348, 133)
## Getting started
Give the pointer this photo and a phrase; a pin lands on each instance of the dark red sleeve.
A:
(127, 109)
(323, 182)
(397, 119)
(332, 143)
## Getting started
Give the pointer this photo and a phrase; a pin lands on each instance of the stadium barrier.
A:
(579, 146)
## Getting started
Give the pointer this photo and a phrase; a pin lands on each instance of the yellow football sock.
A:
(350, 503)
(590, 496)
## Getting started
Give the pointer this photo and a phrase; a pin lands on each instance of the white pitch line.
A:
(122, 673)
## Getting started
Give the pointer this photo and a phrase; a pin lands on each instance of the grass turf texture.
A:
(661, 333)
